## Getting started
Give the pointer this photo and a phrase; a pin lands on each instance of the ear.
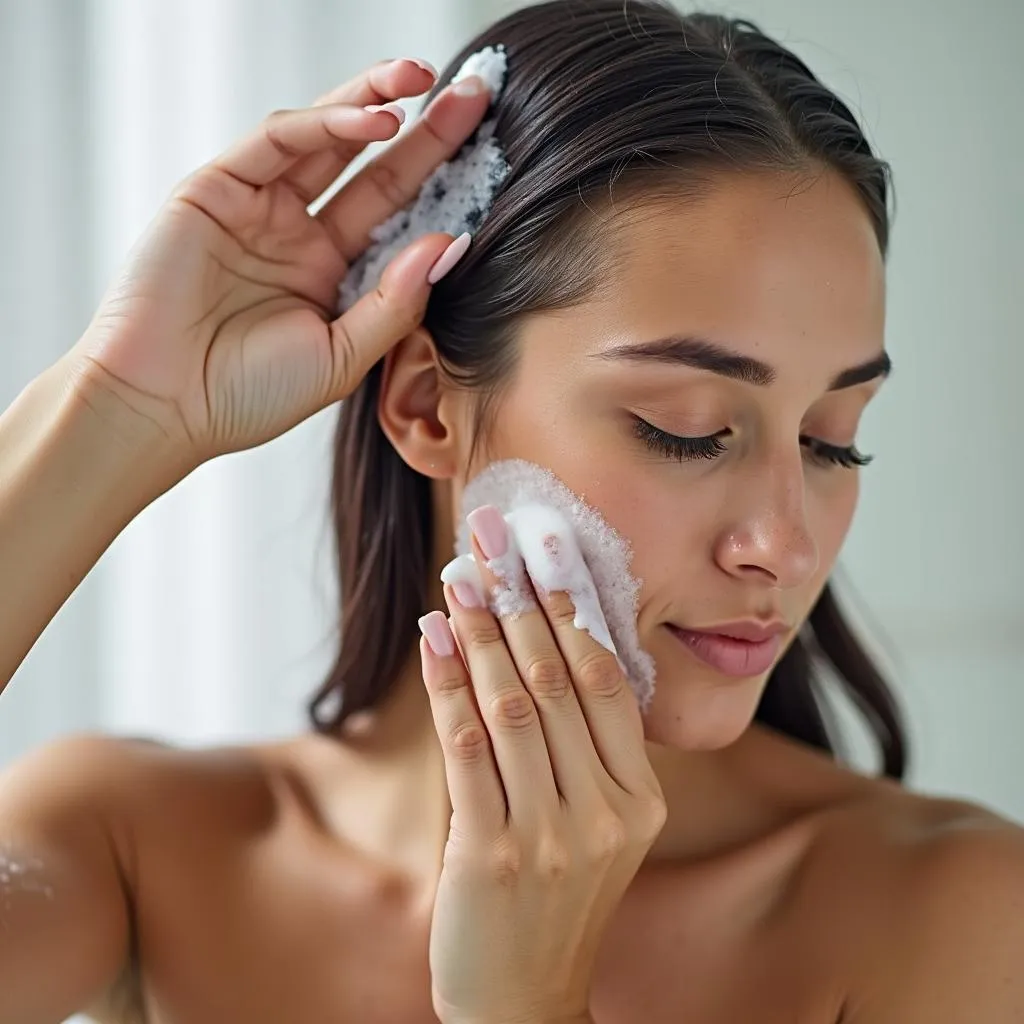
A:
(415, 411)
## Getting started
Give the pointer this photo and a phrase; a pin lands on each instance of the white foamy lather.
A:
(490, 64)
(555, 562)
(513, 595)
(455, 198)
(515, 485)
(542, 553)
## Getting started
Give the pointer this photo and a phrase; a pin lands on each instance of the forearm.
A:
(77, 464)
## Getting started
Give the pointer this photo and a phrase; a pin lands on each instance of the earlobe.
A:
(410, 407)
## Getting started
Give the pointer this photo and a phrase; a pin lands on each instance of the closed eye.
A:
(711, 446)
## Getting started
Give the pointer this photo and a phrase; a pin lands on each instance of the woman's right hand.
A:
(221, 325)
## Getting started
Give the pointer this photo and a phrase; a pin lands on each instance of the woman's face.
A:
(782, 282)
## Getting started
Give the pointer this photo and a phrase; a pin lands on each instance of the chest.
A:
(312, 952)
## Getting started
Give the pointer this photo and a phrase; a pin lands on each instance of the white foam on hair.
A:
(454, 198)
(564, 544)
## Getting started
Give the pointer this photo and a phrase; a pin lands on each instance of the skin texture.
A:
(751, 533)
(295, 881)
(777, 270)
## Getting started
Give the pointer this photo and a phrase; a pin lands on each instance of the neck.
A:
(713, 805)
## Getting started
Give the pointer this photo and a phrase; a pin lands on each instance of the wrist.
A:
(127, 436)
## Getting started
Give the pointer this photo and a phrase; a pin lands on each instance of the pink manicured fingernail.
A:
(467, 595)
(488, 524)
(391, 108)
(455, 251)
(425, 64)
(435, 628)
(471, 85)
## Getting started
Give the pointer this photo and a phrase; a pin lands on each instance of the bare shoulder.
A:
(127, 779)
(925, 896)
(129, 818)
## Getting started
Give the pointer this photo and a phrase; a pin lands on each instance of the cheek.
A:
(641, 498)
(578, 451)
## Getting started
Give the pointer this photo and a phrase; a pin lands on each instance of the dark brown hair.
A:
(606, 101)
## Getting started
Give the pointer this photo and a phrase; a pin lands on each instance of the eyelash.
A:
(685, 449)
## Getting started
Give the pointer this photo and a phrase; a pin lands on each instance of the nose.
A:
(770, 538)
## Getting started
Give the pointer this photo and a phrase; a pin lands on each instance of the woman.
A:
(500, 835)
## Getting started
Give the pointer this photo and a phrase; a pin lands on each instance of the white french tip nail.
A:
(391, 108)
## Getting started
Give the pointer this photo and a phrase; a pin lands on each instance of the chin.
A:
(701, 711)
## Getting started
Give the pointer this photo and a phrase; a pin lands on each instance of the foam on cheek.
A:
(565, 545)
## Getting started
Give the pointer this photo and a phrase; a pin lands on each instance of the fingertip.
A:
(435, 630)
(425, 65)
(451, 255)
(407, 273)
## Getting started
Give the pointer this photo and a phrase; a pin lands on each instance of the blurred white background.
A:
(212, 617)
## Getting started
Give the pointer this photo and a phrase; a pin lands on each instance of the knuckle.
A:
(553, 860)
(448, 147)
(271, 129)
(483, 633)
(547, 677)
(513, 709)
(505, 863)
(343, 350)
(600, 675)
(448, 685)
(385, 179)
(401, 314)
(653, 816)
(560, 608)
(468, 742)
(208, 186)
(608, 838)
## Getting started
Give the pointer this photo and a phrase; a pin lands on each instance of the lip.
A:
(738, 649)
(748, 629)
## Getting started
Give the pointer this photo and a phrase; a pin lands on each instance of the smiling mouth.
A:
(732, 655)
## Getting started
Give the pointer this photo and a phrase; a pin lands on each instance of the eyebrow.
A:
(702, 354)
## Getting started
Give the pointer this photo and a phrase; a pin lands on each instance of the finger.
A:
(474, 786)
(388, 80)
(288, 136)
(392, 180)
(555, 564)
(608, 703)
(337, 127)
(541, 665)
(385, 80)
(379, 319)
(310, 175)
(508, 712)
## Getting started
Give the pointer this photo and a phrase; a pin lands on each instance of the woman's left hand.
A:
(555, 804)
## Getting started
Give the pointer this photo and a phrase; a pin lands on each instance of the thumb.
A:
(386, 314)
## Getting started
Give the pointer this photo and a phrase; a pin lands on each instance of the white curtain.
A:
(212, 617)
